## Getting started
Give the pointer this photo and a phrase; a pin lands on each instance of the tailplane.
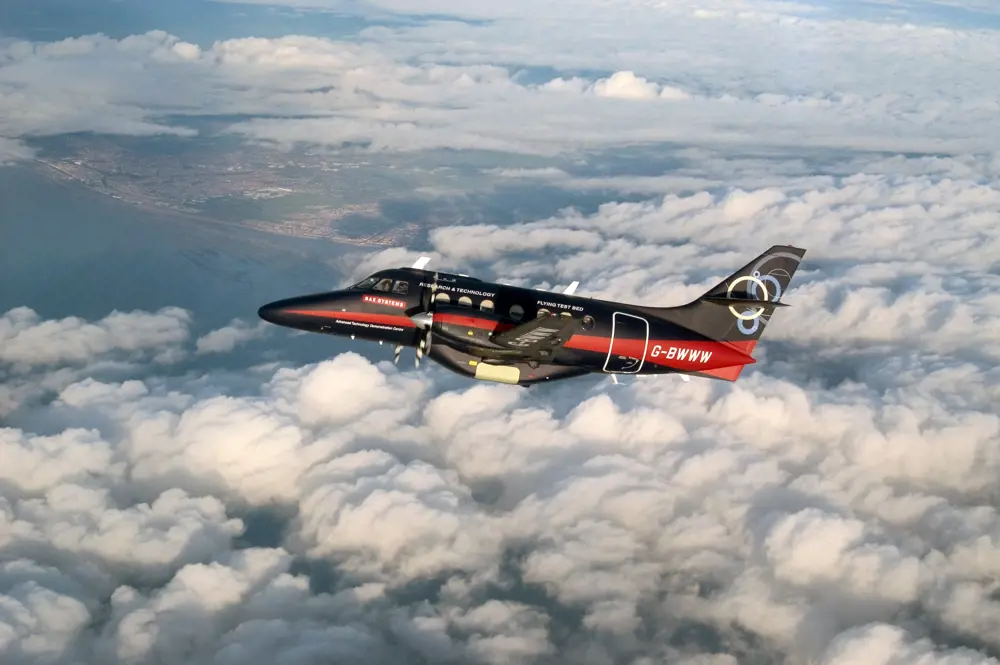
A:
(737, 309)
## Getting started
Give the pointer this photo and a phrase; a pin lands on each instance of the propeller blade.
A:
(395, 354)
(425, 320)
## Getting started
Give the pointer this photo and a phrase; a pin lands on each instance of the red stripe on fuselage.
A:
(591, 343)
(678, 354)
(471, 322)
(367, 317)
(697, 355)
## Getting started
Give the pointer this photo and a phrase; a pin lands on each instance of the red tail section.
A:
(731, 373)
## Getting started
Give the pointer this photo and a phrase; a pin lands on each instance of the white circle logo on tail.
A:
(756, 282)
(764, 285)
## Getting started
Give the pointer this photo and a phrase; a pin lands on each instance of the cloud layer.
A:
(772, 74)
(665, 514)
(42, 357)
(834, 506)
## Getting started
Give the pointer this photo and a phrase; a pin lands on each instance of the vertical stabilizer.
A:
(737, 310)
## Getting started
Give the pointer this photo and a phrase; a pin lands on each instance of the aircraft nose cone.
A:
(274, 312)
(301, 312)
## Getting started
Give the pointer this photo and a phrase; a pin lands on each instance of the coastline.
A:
(52, 171)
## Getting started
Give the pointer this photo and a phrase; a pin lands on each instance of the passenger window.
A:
(383, 285)
(465, 301)
(401, 287)
(442, 298)
(486, 305)
(516, 312)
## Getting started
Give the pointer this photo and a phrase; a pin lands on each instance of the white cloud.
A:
(246, 605)
(34, 463)
(428, 523)
(879, 644)
(26, 340)
(44, 356)
(12, 151)
(79, 522)
(37, 623)
(625, 85)
(227, 338)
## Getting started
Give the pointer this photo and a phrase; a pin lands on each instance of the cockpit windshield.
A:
(379, 282)
(366, 283)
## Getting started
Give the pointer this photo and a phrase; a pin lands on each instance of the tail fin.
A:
(737, 310)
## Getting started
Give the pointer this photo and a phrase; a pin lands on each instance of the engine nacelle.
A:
(469, 327)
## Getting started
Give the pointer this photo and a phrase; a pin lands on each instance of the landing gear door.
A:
(629, 339)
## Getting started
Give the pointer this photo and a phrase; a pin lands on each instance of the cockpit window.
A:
(401, 287)
(366, 283)
(383, 284)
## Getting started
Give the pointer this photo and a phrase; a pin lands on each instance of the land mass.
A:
(303, 196)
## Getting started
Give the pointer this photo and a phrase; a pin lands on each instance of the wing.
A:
(539, 337)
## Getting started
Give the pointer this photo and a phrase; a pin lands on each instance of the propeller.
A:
(419, 264)
(425, 320)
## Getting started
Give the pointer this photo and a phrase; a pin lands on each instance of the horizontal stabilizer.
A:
(723, 373)
(744, 302)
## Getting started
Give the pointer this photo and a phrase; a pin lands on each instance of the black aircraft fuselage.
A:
(509, 334)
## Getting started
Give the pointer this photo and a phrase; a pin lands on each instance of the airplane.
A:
(522, 336)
